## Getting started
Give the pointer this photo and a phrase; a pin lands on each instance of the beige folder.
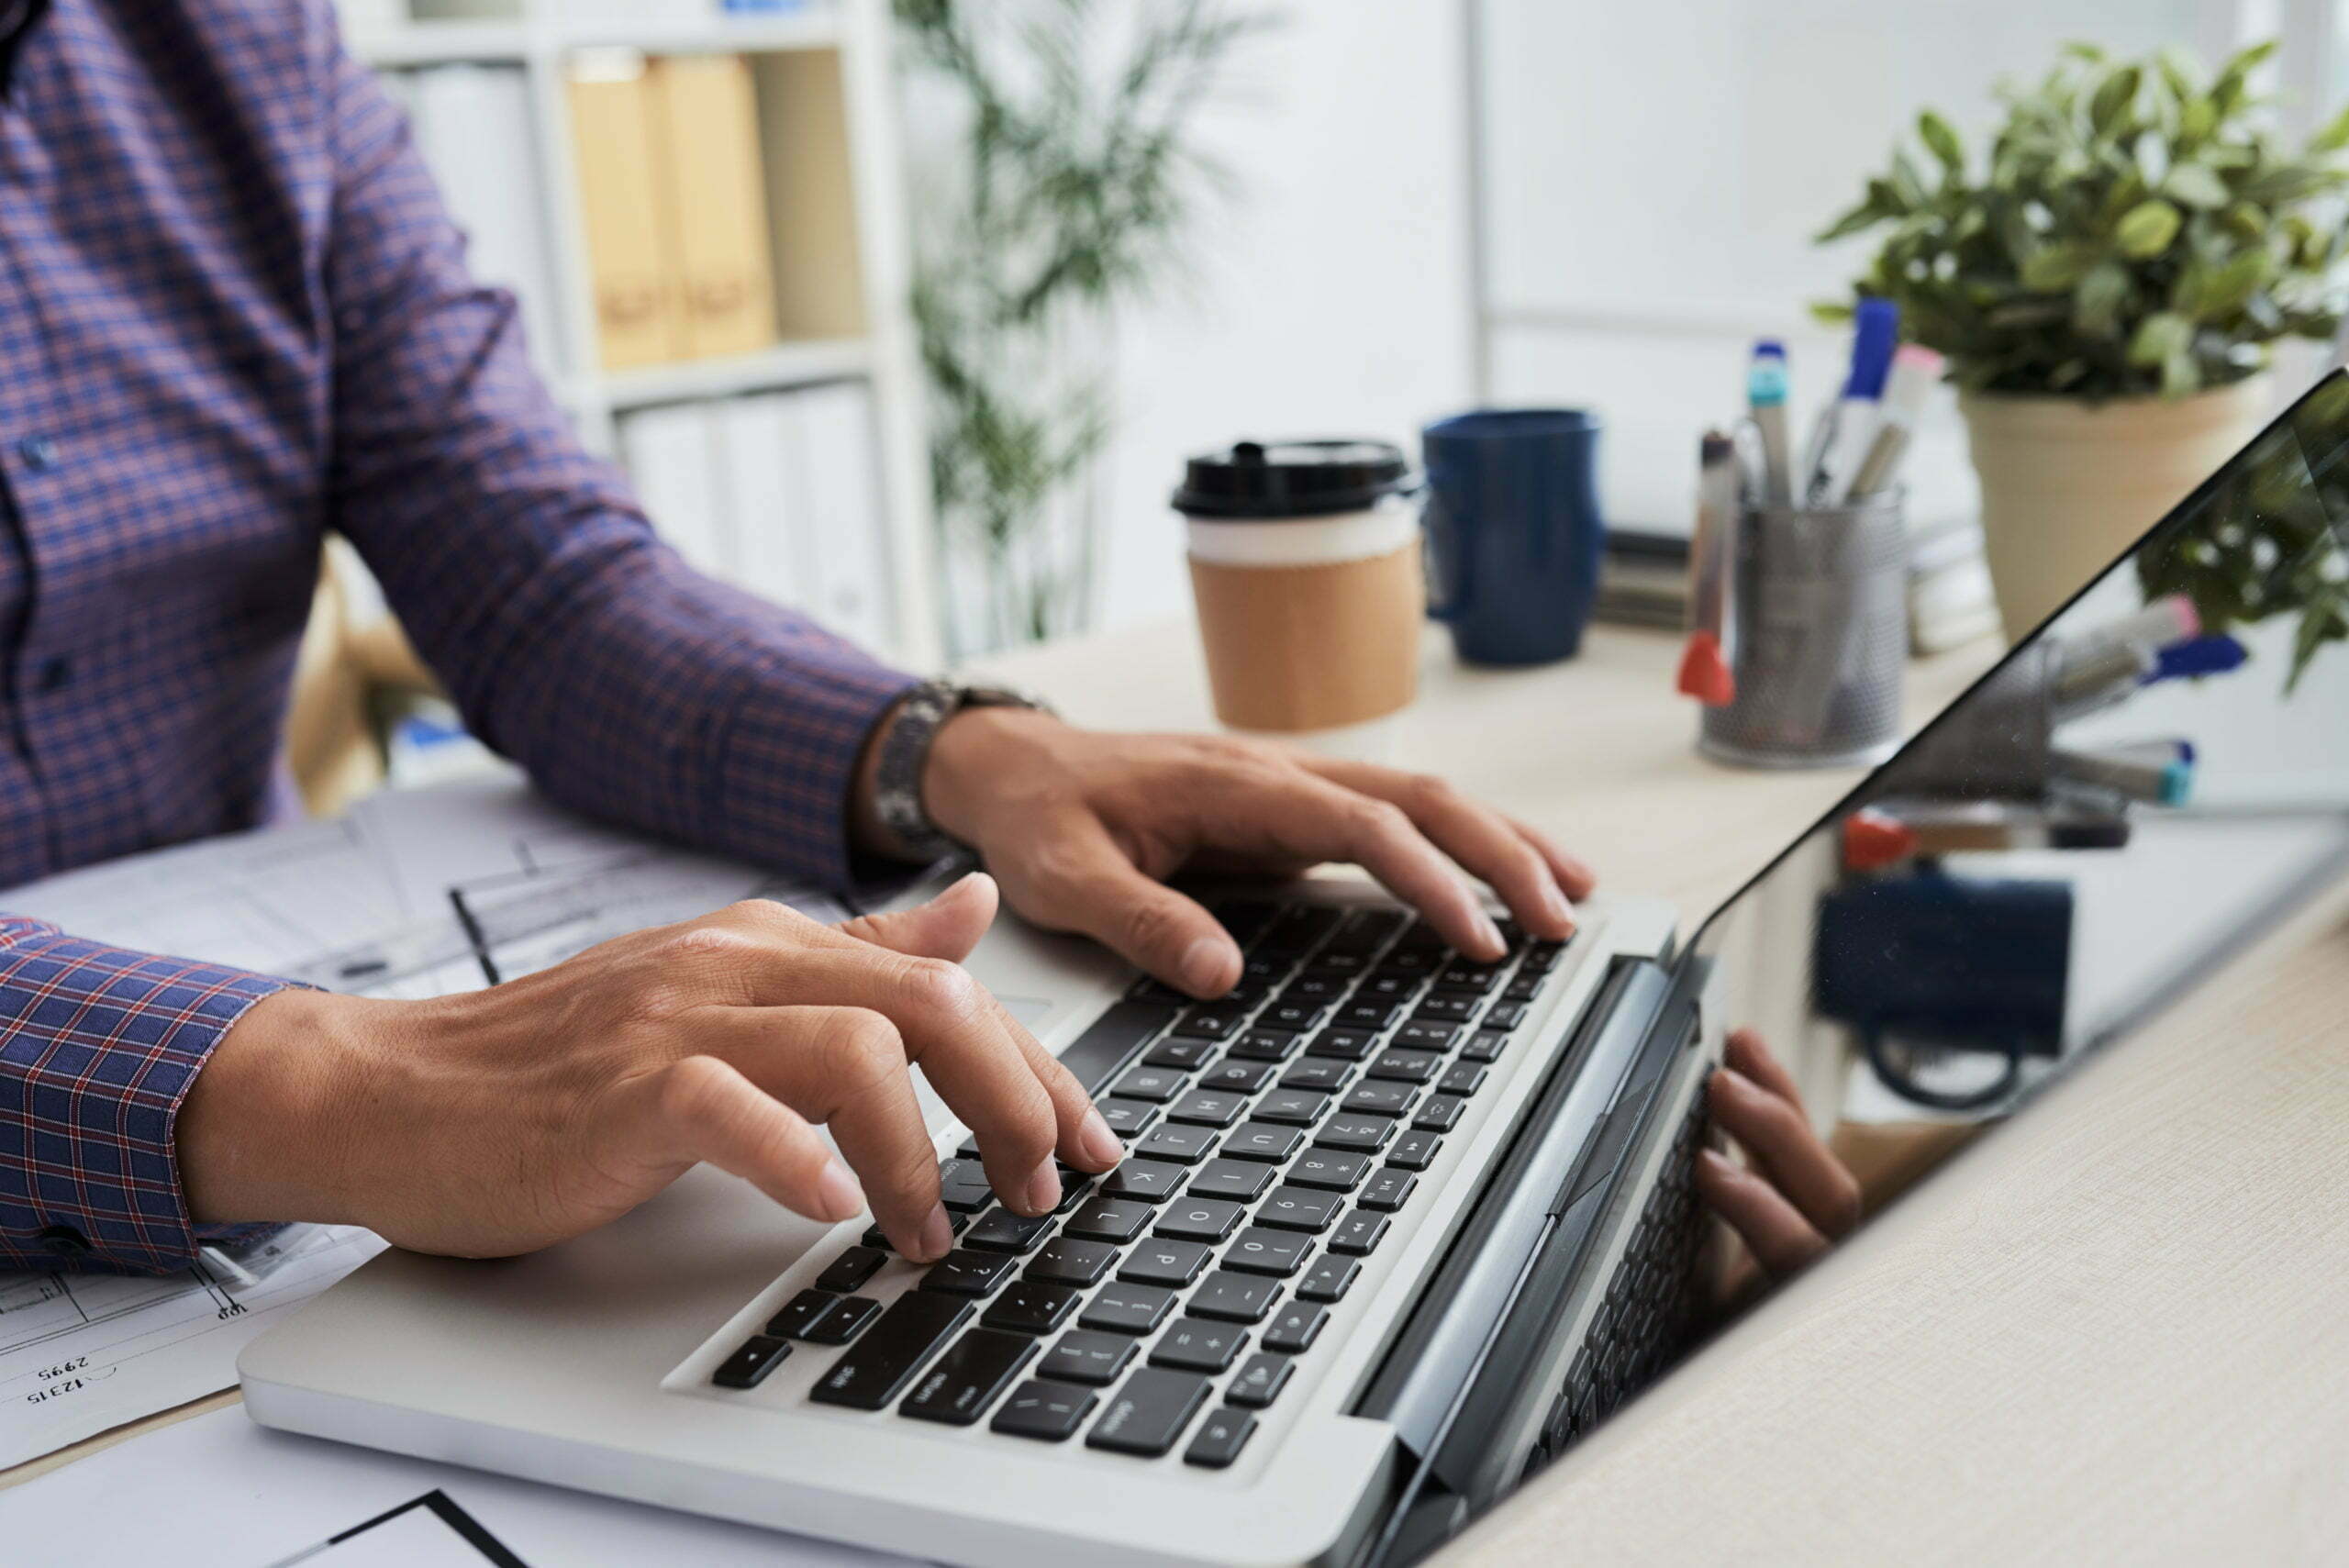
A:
(639, 305)
(707, 119)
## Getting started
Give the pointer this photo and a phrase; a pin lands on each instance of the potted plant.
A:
(2106, 284)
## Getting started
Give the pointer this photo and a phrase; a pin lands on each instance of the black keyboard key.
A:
(1081, 1356)
(1158, 1083)
(1221, 1436)
(1108, 1220)
(1195, 1344)
(1388, 1190)
(851, 1269)
(1149, 1412)
(1262, 1140)
(1294, 1016)
(1127, 1118)
(1524, 988)
(958, 1389)
(963, 1185)
(1192, 1218)
(1299, 1209)
(965, 1272)
(1462, 1078)
(1422, 937)
(1237, 1077)
(1065, 1260)
(1294, 1107)
(1440, 1114)
(1268, 966)
(1319, 1076)
(1332, 1169)
(878, 1366)
(849, 1316)
(1153, 1180)
(1074, 1185)
(1148, 990)
(1265, 1045)
(1440, 1008)
(1359, 1233)
(1031, 1308)
(1328, 1280)
(1368, 1133)
(1208, 1107)
(1004, 1232)
(1128, 1310)
(1410, 960)
(1372, 1016)
(1366, 931)
(1338, 963)
(1504, 1015)
(1466, 974)
(1299, 927)
(1402, 1066)
(1242, 1181)
(1260, 1249)
(1234, 1297)
(1390, 988)
(1293, 1331)
(1246, 918)
(1167, 1263)
(1543, 957)
(749, 1365)
(1048, 1412)
(1181, 1051)
(1184, 1144)
(1415, 1151)
(1343, 1045)
(1260, 1380)
(1315, 990)
(1212, 1022)
(1110, 1038)
(1418, 1035)
(801, 1313)
(1484, 1045)
(1377, 1098)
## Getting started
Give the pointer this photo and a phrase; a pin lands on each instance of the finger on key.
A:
(700, 1108)
(1088, 884)
(1480, 839)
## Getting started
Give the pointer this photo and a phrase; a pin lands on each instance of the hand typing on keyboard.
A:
(502, 1120)
(1082, 828)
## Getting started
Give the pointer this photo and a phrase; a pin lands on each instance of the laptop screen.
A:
(2138, 789)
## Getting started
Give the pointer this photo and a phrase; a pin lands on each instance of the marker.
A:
(1877, 840)
(1847, 426)
(2203, 656)
(1708, 663)
(2094, 677)
(2171, 619)
(1916, 370)
(2164, 782)
(1765, 397)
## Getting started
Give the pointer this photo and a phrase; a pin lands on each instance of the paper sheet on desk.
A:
(414, 893)
(218, 1492)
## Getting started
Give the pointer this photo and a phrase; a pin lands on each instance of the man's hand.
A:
(1798, 1199)
(499, 1121)
(1082, 828)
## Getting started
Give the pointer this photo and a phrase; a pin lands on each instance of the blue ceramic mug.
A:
(1514, 534)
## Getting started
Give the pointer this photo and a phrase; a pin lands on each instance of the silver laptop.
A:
(1399, 1229)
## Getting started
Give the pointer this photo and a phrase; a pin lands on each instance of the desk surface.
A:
(2121, 1339)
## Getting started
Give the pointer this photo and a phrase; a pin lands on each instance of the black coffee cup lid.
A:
(1291, 479)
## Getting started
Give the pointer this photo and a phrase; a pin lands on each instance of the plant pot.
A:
(2068, 486)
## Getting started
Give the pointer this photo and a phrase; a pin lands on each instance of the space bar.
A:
(1095, 1055)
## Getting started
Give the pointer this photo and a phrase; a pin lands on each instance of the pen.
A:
(2203, 656)
(1874, 839)
(2099, 676)
(1915, 372)
(2167, 783)
(1765, 397)
(1707, 664)
(1849, 424)
(2169, 619)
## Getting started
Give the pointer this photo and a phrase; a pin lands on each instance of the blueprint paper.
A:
(414, 893)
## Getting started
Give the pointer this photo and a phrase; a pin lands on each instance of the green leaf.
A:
(2334, 137)
(2161, 336)
(2181, 377)
(2195, 185)
(2055, 268)
(1941, 141)
(1832, 312)
(2228, 289)
(2147, 229)
(2113, 97)
(2196, 118)
(2098, 303)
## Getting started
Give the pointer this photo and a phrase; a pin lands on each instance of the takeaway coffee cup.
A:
(1305, 566)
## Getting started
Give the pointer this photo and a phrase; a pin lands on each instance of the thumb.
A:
(948, 927)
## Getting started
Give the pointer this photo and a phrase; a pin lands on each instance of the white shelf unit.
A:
(541, 39)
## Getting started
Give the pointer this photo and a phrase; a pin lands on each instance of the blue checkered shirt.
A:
(234, 316)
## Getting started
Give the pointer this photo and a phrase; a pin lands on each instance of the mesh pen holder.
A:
(1818, 598)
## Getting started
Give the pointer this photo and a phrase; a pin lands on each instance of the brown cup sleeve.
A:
(1305, 648)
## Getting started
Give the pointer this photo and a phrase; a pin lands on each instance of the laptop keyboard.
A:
(1273, 1136)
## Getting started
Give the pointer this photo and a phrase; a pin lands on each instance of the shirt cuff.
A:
(98, 1046)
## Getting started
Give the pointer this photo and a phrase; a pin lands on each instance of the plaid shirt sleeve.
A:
(575, 642)
(97, 1048)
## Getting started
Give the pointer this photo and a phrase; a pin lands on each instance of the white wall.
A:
(1332, 294)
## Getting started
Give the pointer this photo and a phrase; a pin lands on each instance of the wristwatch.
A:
(912, 728)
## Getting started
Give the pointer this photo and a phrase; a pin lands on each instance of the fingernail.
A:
(1489, 933)
(937, 1237)
(837, 1192)
(1045, 1189)
(1206, 965)
(1553, 903)
(1100, 1145)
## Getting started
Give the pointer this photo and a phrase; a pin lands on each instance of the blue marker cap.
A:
(1766, 378)
(1876, 333)
(2200, 656)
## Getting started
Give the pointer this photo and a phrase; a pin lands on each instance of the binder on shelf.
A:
(671, 453)
(706, 117)
(762, 447)
(638, 319)
(473, 126)
(845, 521)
